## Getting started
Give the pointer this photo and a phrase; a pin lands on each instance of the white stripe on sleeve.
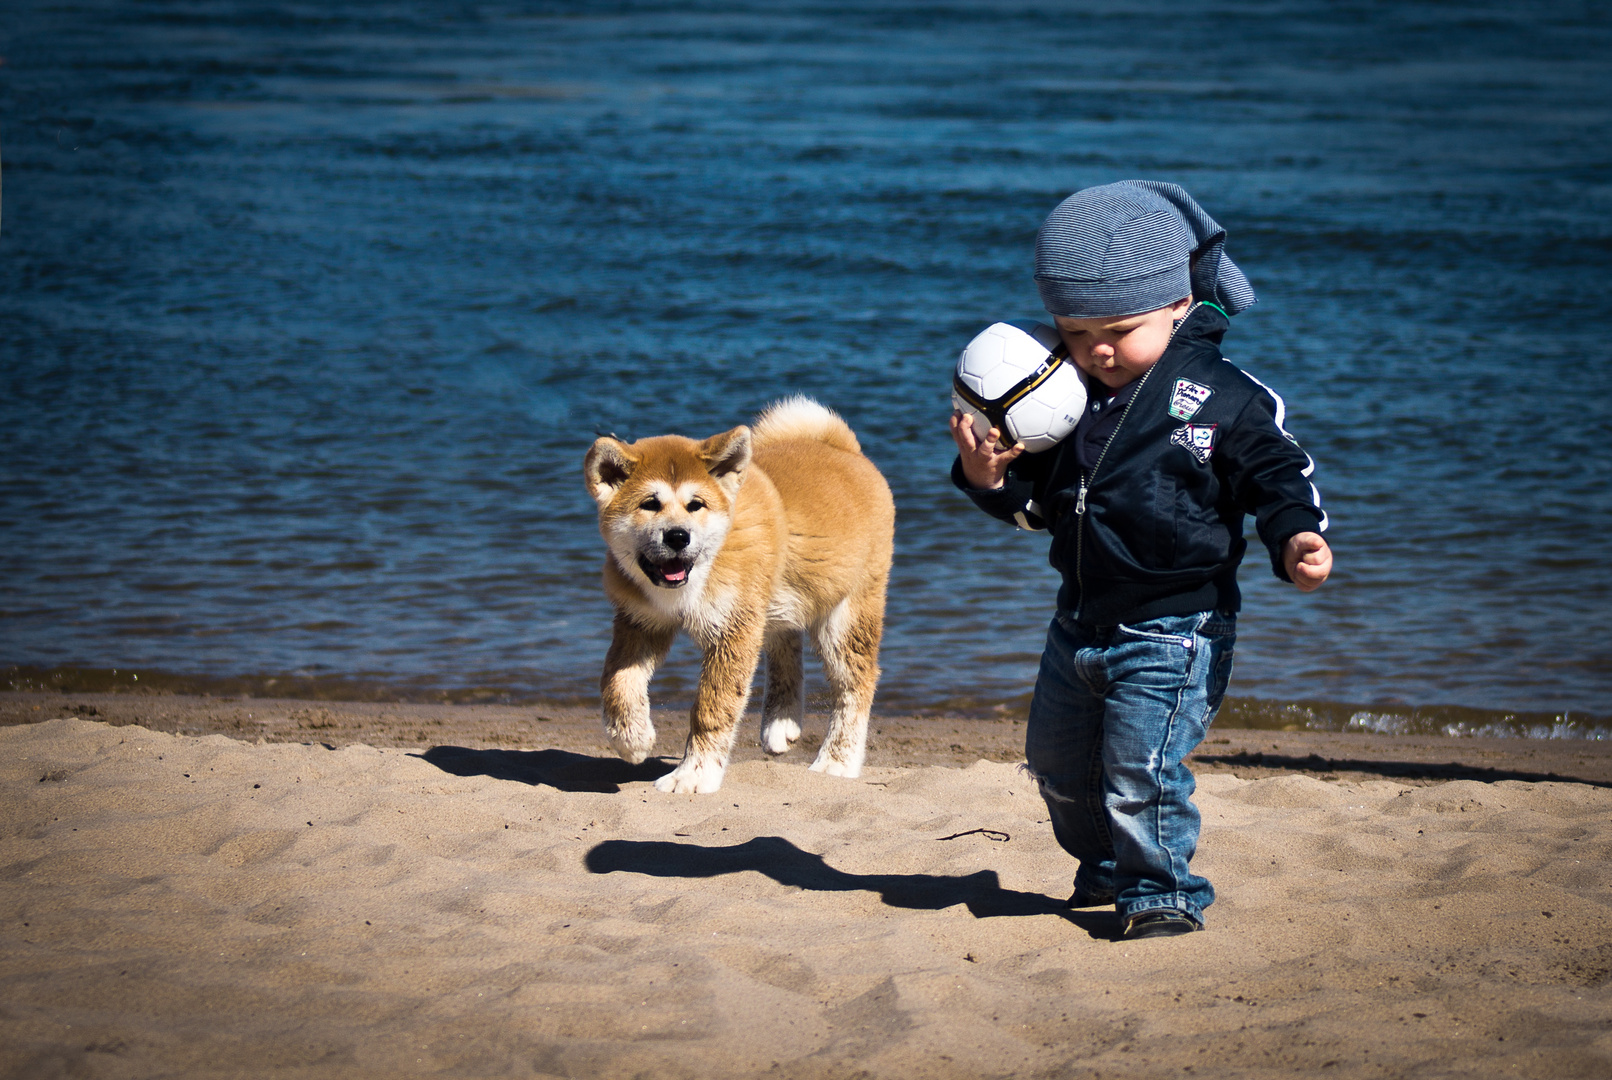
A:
(1309, 462)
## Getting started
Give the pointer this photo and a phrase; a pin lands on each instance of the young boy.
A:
(1145, 501)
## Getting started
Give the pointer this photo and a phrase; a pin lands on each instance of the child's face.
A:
(1118, 350)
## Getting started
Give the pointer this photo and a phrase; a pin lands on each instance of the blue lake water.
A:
(309, 312)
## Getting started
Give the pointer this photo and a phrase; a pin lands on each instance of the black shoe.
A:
(1083, 899)
(1160, 922)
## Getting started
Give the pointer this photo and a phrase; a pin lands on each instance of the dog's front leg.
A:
(725, 676)
(635, 652)
(783, 708)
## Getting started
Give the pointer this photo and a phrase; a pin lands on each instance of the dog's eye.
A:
(651, 504)
(696, 504)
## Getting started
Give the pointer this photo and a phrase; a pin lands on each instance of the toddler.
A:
(1145, 502)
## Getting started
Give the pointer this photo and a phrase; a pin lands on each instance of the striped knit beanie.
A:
(1134, 246)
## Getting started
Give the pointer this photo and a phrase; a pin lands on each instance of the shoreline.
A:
(893, 741)
(1239, 712)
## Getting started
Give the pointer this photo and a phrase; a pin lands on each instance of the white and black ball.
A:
(1017, 377)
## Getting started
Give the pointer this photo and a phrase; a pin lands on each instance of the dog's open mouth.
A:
(671, 574)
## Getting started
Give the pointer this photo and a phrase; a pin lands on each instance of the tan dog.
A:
(744, 541)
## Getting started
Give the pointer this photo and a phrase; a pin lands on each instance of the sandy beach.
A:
(206, 887)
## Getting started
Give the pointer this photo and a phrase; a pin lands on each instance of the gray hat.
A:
(1130, 247)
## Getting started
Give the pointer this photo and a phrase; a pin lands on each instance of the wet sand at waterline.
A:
(336, 890)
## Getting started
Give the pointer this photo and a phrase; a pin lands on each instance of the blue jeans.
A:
(1116, 711)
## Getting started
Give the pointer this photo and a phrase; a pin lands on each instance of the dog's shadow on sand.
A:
(787, 864)
(558, 769)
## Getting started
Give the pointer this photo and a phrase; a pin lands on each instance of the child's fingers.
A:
(990, 445)
(985, 460)
(1000, 450)
(1308, 560)
(1312, 570)
(963, 434)
(963, 431)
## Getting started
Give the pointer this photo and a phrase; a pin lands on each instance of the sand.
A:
(184, 904)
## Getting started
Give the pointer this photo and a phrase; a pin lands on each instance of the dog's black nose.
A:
(676, 539)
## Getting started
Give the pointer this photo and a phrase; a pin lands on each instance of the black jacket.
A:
(1156, 528)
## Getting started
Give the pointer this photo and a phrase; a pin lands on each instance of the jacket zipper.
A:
(1085, 478)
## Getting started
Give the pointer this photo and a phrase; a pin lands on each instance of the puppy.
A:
(745, 541)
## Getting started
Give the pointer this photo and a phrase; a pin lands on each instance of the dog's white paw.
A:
(850, 770)
(634, 742)
(779, 734)
(695, 776)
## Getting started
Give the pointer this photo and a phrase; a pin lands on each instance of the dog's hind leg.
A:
(635, 652)
(848, 641)
(731, 656)
(783, 709)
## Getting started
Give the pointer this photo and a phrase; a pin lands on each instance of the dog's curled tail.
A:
(800, 417)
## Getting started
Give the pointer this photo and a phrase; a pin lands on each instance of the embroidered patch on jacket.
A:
(1199, 439)
(1187, 398)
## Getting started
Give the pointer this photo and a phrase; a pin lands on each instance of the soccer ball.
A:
(1017, 378)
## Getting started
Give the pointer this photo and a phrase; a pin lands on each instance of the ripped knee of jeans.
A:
(1048, 791)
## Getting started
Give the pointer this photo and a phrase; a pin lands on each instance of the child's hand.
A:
(1307, 559)
(984, 463)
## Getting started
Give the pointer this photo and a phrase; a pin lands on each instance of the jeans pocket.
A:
(1218, 626)
(1218, 638)
(1178, 630)
(1151, 656)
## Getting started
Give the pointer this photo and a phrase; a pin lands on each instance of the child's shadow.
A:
(770, 855)
(787, 864)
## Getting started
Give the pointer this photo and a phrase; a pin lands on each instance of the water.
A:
(309, 312)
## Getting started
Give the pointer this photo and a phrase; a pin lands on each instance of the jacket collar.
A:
(1202, 329)
(1204, 322)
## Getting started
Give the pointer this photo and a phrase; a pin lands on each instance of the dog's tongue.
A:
(674, 573)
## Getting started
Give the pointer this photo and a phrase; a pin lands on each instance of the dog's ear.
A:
(726, 458)
(606, 468)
